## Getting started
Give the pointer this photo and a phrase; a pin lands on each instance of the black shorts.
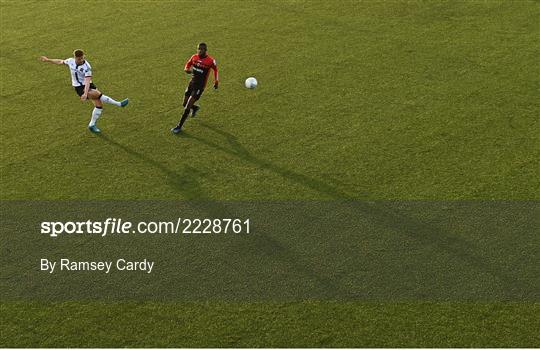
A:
(194, 90)
(80, 89)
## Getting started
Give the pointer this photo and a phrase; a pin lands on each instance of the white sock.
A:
(107, 99)
(95, 115)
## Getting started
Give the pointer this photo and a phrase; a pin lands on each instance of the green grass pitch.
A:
(372, 100)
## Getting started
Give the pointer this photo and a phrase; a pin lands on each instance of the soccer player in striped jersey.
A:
(199, 66)
(81, 80)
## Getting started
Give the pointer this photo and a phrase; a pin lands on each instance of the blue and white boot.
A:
(94, 129)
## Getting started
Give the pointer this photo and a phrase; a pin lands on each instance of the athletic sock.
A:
(184, 117)
(95, 115)
(107, 99)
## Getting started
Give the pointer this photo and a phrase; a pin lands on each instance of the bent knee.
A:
(95, 94)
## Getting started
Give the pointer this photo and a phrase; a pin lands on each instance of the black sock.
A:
(184, 117)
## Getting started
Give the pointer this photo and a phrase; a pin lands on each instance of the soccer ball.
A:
(251, 83)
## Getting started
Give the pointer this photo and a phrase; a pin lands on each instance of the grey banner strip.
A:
(292, 250)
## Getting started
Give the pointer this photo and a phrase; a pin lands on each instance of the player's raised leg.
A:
(106, 99)
(97, 99)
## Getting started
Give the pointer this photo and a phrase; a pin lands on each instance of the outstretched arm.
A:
(216, 75)
(51, 60)
(187, 67)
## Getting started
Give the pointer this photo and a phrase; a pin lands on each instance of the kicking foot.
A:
(176, 130)
(124, 102)
(94, 129)
(195, 110)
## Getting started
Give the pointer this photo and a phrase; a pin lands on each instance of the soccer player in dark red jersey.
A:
(199, 66)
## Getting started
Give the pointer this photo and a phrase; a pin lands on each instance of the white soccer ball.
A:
(251, 83)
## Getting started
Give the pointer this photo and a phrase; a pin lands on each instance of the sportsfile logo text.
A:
(120, 226)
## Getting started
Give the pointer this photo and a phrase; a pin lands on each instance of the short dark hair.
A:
(78, 53)
(203, 44)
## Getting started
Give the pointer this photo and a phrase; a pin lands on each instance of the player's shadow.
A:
(237, 149)
(185, 183)
(385, 214)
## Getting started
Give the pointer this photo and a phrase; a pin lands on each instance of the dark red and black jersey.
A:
(200, 69)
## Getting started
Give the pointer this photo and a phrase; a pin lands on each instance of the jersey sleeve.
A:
(67, 61)
(189, 63)
(214, 67)
(88, 72)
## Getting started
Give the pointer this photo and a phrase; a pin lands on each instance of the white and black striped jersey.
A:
(78, 72)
